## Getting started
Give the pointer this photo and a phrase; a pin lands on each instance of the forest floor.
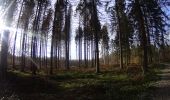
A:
(162, 91)
(79, 85)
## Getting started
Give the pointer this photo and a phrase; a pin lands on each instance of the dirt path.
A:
(162, 91)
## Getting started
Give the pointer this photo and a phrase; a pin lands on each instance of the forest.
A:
(84, 49)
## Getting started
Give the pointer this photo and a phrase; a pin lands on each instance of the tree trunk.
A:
(119, 30)
(4, 54)
(15, 38)
(142, 31)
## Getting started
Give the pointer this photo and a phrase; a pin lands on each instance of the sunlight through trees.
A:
(37, 35)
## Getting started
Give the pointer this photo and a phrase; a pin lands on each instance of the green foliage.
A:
(116, 85)
(20, 74)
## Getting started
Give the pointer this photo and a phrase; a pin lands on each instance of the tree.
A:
(78, 39)
(15, 37)
(45, 29)
(138, 12)
(105, 43)
(119, 5)
(67, 33)
(24, 21)
(96, 26)
(92, 23)
(4, 48)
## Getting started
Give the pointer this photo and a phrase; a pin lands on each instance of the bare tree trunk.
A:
(4, 55)
(51, 60)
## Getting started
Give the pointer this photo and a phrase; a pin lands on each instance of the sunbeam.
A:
(6, 10)
(2, 26)
(2, 14)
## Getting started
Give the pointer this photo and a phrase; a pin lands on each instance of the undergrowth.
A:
(72, 85)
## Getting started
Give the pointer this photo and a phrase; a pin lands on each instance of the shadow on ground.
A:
(75, 86)
(162, 91)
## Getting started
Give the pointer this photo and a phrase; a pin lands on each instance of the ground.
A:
(162, 91)
(128, 84)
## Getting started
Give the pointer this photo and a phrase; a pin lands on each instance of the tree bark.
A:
(143, 36)
(4, 54)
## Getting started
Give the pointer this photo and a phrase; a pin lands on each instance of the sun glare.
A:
(1, 25)
(1, 21)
